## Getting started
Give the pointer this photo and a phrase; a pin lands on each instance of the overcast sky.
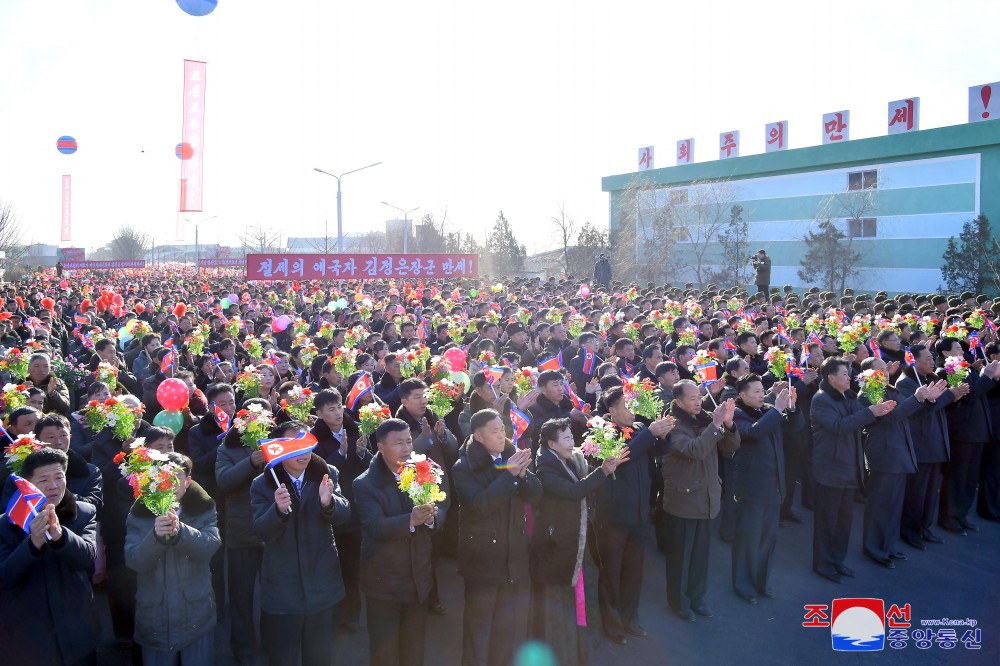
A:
(472, 107)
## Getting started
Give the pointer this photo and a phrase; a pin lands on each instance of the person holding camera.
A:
(762, 265)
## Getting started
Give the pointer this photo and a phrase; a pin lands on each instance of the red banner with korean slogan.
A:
(360, 266)
(192, 136)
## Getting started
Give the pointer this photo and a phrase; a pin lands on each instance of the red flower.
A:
(627, 432)
(243, 412)
(636, 324)
(93, 403)
(120, 457)
(110, 402)
(526, 372)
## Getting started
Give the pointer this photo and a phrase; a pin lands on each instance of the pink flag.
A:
(193, 134)
(66, 207)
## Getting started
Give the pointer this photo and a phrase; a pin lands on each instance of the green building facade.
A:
(899, 197)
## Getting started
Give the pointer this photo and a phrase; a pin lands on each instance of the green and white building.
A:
(918, 188)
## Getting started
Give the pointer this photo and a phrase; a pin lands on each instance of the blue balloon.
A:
(198, 7)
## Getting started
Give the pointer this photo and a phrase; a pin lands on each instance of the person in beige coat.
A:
(692, 494)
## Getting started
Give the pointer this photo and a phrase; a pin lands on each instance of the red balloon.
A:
(117, 299)
(455, 358)
(172, 394)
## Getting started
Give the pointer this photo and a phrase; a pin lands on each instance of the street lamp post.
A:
(406, 223)
(340, 220)
(197, 246)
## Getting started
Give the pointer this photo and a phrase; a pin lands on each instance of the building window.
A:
(862, 180)
(678, 197)
(865, 227)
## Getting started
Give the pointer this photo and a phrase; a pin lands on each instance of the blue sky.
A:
(472, 107)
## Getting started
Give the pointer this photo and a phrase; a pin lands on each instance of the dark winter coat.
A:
(969, 419)
(349, 466)
(234, 472)
(46, 600)
(396, 561)
(889, 441)
(626, 502)
(175, 604)
(493, 540)
(929, 427)
(300, 572)
(558, 534)
(837, 423)
(759, 463)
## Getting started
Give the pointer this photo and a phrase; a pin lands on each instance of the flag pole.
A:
(275, 475)
(34, 512)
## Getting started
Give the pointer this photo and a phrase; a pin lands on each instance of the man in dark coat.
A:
(929, 428)
(891, 457)
(602, 271)
(838, 418)
(553, 403)
(970, 429)
(492, 484)
(396, 551)
(758, 483)
(622, 517)
(300, 578)
(236, 466)
(762, 271)
(47, 604)
(387, 388)
(340, 444)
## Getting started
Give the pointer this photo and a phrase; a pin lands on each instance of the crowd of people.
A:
(566, 421)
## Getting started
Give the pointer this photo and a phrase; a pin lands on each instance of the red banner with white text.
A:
(360, 266)
(66, 208)
(193, 137)
(93, 265)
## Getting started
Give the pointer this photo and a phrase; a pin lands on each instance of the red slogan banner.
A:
(66, 207)
(91, 265)
(193, 134)
(360, 266)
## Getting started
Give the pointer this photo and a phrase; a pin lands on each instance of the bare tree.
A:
(699, 213)
(11, 233)
(565, 229)
(857, 209)
(372, 241)
(129, 244)
(642, 246)
(261, 239)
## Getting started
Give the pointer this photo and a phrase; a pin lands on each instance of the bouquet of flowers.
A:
(355, 337)
(371, 417)
(631, 295)
(956, 370)
(14, 396)
(410, 363)
(73, 373)
(813, 323)
(576, 324)
(15, 453)
(441, 397)
(420, 478)
(196, 341)
(554, 315)
(693, 309)
(107, 374)
(603, 440)
(487, 358)
(873, 384)
(253, 347)
(248, 382)
(633, 330)
(927, 325)
(344, 360)
(300, 326)
(688, 336)
(152, 477)
(524, 315)
(113, 413)
(792, 321)
(234, 326)
(299, 403)
(850, 336)
(326, 330)
(525, 379)
(977, 319)
(308, 353)
(642, 397)
(606, 321)
(778, 361)
(954, 331)
(140, 328)
(16, 362)
(253, 423)
(734, 304)
(664, 321)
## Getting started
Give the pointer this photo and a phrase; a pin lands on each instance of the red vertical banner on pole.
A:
(66, 208)
(193, 134)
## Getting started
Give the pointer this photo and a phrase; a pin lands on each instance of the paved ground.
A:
(960, 579)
